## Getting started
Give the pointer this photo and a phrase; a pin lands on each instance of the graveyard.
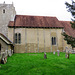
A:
(37, 64)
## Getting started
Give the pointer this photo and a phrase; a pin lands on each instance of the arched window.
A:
(53, 40)
(3, 10)
(19, 38)
(16, 38)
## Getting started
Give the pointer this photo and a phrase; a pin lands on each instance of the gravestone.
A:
(45, 56)
(54, 52)
(66, 49)
(70, 49)
(9, 53)
(6, 52)
(4, 58)
(67, 55)
(12, 52)
(58, 52)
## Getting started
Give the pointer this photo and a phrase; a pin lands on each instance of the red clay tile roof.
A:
(11, 23)
(35, 21)
(67, 28)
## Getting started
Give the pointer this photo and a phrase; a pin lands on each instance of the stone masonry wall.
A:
(7, 13)
(37, 40)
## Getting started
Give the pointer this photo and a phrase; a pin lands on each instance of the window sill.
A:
(18, 44)
(54, 45)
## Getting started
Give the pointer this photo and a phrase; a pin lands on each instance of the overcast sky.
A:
(55, 8)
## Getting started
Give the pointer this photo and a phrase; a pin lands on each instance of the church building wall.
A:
(37, 39)
(66, 45)
(60, 40)
(32, 39)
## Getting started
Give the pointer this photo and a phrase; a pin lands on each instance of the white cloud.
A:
(41, 7)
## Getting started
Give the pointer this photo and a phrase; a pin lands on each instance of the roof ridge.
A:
(64, 21)
(37, 16)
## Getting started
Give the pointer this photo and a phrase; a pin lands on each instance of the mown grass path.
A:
(35, 64)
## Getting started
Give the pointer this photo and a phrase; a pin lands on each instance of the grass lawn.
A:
(35, 64)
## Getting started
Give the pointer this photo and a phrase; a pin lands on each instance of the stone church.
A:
(31, 34)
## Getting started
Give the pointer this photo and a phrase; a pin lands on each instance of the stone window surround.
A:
(53, 39)
(17, 38)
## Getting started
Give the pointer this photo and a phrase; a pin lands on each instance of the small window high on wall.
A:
(3, 10)
(53, 39)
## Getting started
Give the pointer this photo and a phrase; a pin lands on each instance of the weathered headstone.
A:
(9, 53)
(67, 55)
(45, 56)
(12, 52)
(54, 52)
(3, 60)
(66, 49)
(70, 49)
(58, 52)
(6, 52)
